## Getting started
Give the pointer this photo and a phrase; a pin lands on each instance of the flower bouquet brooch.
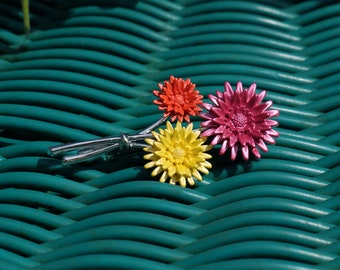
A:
(238, 121)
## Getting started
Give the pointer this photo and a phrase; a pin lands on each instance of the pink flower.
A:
(239, 121)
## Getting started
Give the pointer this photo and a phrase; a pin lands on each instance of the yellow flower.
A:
(178, 153)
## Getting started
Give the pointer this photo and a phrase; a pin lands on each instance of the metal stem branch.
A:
(88, 149)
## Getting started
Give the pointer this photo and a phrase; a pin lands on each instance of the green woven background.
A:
(87, 70)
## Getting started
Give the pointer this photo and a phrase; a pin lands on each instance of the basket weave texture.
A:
(87, 70)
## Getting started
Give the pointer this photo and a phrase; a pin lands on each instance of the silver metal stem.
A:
(153, 126)
(55, 150)
(67, 160)
(87, 149)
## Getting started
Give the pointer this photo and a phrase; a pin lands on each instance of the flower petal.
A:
(239, 88)
(256, 152)
(206, 106)
(220, 130)
(156, 171)
(272, 132)
(149, 165)
(260, 97)
(216, 140)
(272, 113)
(203, 169)
(233, 152)
(163, 177)
(197, 175)
(224, 147)
(232, 140)
(213, 99)
(182, 181)
(271, 122)
(262, 145)
(251, 91)
(191, 181)
(227, 133)
(268, 139)
(228, 89)
(208, 132)
(245, 152)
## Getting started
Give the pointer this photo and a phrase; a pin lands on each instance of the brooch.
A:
(238, 121)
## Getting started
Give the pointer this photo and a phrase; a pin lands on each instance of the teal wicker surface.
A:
(87, 70)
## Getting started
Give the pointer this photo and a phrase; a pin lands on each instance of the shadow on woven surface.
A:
(87, 70)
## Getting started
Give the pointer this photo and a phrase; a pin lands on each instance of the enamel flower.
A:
(177, 154)
(178, 98)
(239, 121)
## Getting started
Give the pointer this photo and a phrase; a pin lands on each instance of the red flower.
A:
(178, 98)
(239, 120)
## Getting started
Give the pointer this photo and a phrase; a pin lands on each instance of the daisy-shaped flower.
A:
(178, 98)
(178, 154)
(240, 121)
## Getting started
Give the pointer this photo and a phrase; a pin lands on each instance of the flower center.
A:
(179, 100)
(178, 153)
(239, 120)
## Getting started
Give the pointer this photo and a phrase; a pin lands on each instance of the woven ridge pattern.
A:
(87, 70)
